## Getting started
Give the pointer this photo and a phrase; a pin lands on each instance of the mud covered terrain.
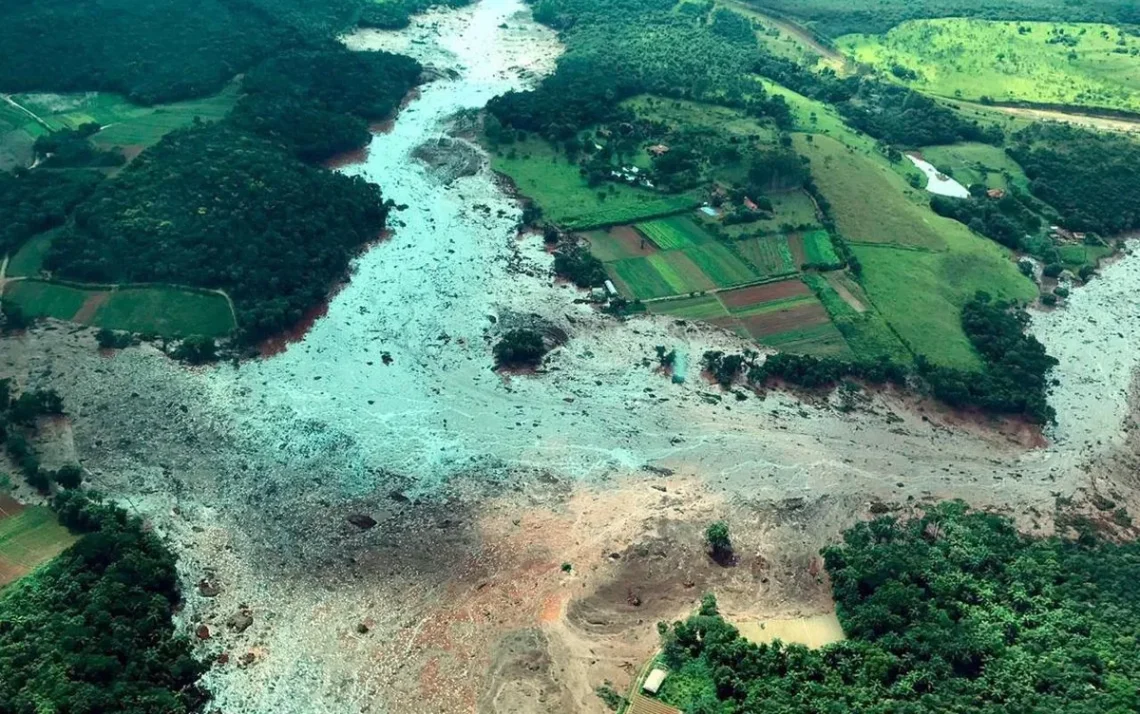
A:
(375, 521)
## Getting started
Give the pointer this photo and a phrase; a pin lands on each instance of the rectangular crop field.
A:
(818, 249)
(720, 265)
(618, 243)
(164, 311)
(674, 232)
(658, 275)
(29, 537)
(744, 298)
(702, 307)
(818, 340)
(771, 255)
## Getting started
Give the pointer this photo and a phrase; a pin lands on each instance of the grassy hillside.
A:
(1092, 65)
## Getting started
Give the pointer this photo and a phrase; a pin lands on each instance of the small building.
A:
(611, 289)
(659, 149)
(996, 193)
(750, 204)
(654, 681)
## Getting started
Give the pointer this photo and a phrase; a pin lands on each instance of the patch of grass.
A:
(817, 340)
(1074, 256)
(673, 232)
(770, 254)
(606, 247)
(972, 163)
(720, 265)
(819, 249)
(165, 311)
(639, 278)
(871, 204)
(28, 539)
(921, 294)
(702, 307)
(124, 123)
(555, 184)
(866, 333)
(682, 274)
(29, 259)
(695, 116)
(1089, 65)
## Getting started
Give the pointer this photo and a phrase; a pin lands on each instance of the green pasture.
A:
(972, 163)
(871, 203)
(770, 254)
(30, 538)
(819, 249)
(1074, 256)
(866, 333)
(702, 307)
(791, 210)
(555, 184)
(165, 311)
(124, 123)
(28, 261)
(817, 340)
(1092, 65)
(673, 232)
(683, 114)
(921, 293)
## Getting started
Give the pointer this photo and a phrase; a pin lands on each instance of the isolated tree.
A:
(519, 348)
(69, 476)
(716, 535)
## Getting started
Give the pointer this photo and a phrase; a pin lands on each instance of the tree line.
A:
(953, 611)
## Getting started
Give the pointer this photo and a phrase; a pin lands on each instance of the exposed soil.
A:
(759, 294)
(777, 321)
(796, 245)
(90, 306)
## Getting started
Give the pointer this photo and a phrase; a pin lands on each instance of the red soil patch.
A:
(10, 572)
(632, 241)
(796, 244)
(551, 608)
(9, 506)
(758, 294)
(348, 158)
(793, 318)
(90, 306)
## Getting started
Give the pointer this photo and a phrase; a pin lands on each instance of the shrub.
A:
(519, 348)
(716, 535)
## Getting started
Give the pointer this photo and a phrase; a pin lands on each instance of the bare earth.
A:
(397, 531)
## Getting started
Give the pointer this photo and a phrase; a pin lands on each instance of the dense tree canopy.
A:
(1092, 179)
(951, 612)
(152, 51)
(318, 101)
(91, 631)
(34, 201)
(214, 207)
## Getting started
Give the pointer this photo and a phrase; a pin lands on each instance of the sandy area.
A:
(392, 516)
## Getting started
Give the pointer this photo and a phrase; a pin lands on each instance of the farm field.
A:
(871, 203)
(920, 293)
(1091, 65)
(786, 316)
(818, 249)
(673, 232)
(29, 537)
(971, 163)
(29, 259)
(163, 311)
(558, 188)
(866, 332)
(771, 255)
(124, 124)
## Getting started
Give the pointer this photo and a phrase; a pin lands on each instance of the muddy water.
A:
(395, 384)
(939, 183)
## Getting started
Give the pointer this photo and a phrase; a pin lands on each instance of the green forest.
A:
(224, 210)
(954, 611)
(91, 631)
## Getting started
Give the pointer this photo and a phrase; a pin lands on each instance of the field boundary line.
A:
(42, 122)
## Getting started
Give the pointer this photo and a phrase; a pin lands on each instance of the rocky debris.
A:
(240, 621)
(247, 659)
(362, 521)
(209, 588)
(203, 632)
(449, 159)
